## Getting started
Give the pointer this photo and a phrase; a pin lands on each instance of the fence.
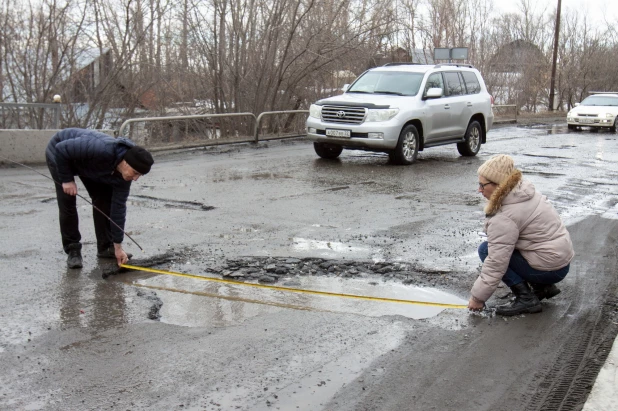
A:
(32, 116)
(505, 113)
(164, 133)
(280, 127)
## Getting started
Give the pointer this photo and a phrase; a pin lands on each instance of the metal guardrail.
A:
(190, 117)
(500, 119)
(55, 119)
(257, 127)
(258, 122)
(201, 142)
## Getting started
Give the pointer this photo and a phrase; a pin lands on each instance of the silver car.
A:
(403, 108)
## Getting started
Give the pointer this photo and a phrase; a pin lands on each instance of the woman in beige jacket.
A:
(527, 243)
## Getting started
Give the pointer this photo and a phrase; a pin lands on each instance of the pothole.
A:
(154, 202)
(355, 287)
(272, 269)
(546, 156)
(544, 174)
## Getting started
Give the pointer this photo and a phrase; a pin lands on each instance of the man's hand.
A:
(121, 256)
(475, 305)
(70, 188)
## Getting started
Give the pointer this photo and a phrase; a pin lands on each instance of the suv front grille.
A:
(343, 114)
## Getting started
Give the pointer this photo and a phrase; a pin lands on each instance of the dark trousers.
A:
(101, 196)
(519, 270)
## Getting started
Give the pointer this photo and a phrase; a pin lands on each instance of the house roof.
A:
(85, 57)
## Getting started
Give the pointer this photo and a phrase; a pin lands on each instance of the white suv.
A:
(403, 108)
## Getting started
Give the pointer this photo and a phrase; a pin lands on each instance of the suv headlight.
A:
(315, 111)
(606, 115)
(381, 114)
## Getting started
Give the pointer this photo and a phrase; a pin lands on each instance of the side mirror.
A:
(345, 87)
(433, 93)
(576, 104)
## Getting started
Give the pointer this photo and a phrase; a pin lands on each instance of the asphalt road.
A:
(71, 340)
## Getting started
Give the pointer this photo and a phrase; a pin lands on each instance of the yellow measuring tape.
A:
(292, 290)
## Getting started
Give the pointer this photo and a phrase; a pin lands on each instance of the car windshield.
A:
(388, 82)
(600, 101)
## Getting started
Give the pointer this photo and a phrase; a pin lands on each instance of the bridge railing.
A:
(505, 113)
(32, 116)
(187, 131)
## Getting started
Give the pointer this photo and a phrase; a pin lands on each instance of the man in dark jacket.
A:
(106, 166)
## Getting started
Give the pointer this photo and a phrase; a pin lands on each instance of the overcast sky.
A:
(597, 10)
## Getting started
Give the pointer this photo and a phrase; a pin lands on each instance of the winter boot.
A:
(110, 253)
(543, 291)
(525, 302)
(75, 256)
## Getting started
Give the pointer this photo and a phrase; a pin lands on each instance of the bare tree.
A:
(111, 60)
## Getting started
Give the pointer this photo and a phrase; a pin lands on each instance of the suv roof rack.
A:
(401, 64)
(454, 64)
(603, 92)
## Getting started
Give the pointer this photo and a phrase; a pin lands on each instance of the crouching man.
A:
(106, 166)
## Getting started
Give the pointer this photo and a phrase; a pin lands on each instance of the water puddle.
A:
(557, 129)
(324, 247)
(195, 303)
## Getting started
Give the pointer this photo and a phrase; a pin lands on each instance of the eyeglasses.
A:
(482, 186)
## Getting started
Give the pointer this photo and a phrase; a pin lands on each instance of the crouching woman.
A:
(528, 247)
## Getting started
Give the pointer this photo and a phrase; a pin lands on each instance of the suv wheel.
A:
(407, 147)
(472, 145)
(613, 128)
(327, 150)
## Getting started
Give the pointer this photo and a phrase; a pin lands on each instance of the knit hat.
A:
(139, 158)
(497, 169)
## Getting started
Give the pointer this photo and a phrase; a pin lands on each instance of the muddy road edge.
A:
(552, 368)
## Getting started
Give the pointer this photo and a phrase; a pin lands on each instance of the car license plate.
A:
(338, 133)
(586, 120)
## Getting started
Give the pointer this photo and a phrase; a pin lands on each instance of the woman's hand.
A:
(475, 305)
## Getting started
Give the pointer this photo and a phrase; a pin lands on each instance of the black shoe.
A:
(75, 256)
(110, 253)
(525, 302)
(543, 291)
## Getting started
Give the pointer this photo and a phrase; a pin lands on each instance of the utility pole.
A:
(555, 58)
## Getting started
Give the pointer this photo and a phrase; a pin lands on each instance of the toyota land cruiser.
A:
(403, 108)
